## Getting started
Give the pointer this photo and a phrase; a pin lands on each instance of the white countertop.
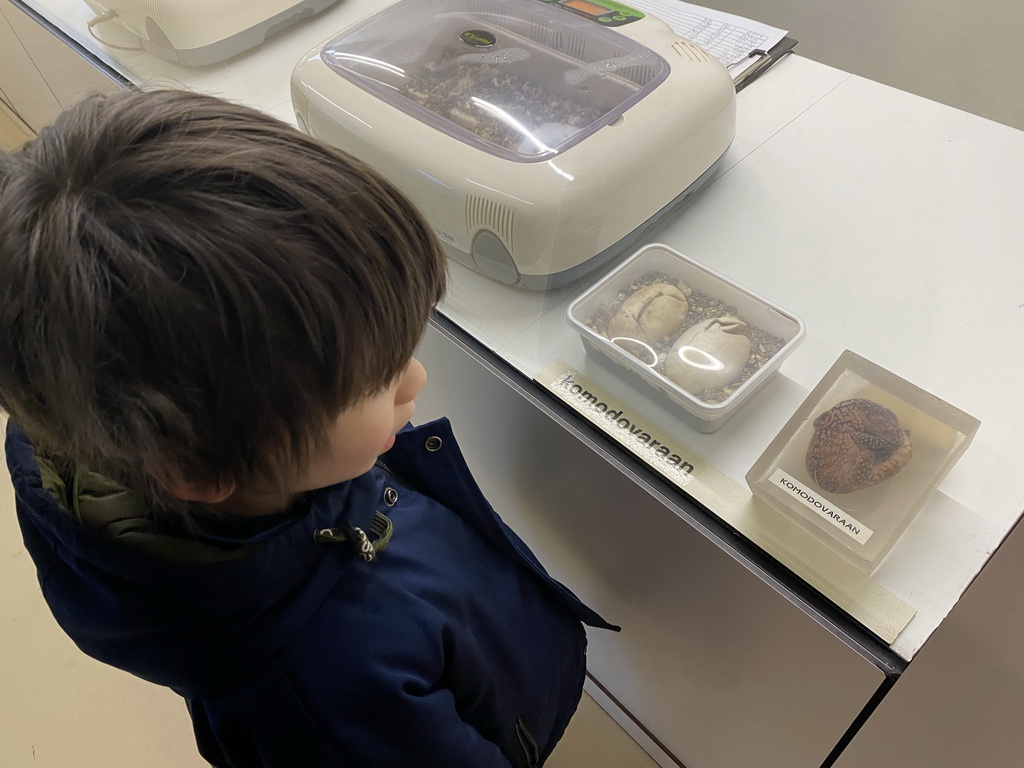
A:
(889, 223)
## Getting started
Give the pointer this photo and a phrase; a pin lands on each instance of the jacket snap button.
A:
(390, 496)
(433, 443)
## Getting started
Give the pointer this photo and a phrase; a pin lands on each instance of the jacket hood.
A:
(187, 610)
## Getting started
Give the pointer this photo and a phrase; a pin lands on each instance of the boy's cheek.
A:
(404, 414)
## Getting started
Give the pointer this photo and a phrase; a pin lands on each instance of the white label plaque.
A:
(822, 507)
(647, 443)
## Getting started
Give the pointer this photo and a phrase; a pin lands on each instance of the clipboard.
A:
(759, 61)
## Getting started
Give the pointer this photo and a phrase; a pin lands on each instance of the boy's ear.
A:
(202, 492)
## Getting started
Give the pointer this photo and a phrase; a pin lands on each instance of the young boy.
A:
(207, 323)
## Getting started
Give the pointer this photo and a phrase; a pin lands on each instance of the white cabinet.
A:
(718, 664)
(39, 74)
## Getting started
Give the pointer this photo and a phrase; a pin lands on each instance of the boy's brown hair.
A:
(191, 288)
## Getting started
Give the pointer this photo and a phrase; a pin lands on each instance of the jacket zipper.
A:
(528, 743)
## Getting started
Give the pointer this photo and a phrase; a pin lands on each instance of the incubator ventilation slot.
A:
(485, 6)
(489, 14)
(690, 51)
(574, 45)
(639, 74)
(486, 214)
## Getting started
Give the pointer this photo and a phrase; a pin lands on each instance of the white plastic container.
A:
(857, 460)
(752, 309)
(197, 34)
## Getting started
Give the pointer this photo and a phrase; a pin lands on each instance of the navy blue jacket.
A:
(453, 648)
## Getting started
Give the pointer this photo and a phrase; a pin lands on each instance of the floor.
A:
(12, 131)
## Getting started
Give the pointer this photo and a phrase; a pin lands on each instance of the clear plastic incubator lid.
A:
(521, 79)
